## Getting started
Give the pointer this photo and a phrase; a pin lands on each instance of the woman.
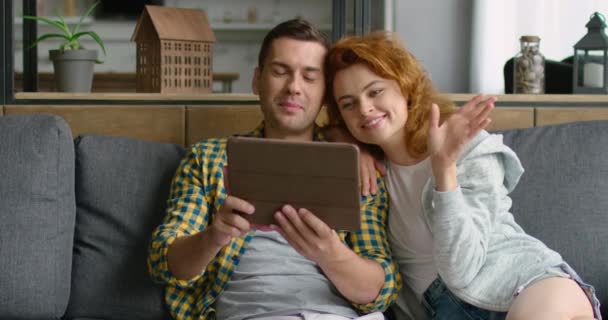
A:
(460, 251)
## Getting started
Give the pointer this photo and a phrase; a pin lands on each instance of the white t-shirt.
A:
(410, 238)
(273, 280)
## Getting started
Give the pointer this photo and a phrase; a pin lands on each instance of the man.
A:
(215, 265)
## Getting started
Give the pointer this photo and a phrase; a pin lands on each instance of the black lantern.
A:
(591, 59)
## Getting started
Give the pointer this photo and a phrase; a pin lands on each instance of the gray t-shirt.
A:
(273, 279)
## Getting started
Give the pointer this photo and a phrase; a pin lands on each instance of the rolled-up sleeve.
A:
(371, 242)
(186, 214)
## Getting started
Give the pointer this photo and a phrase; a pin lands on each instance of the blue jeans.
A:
(444, 305)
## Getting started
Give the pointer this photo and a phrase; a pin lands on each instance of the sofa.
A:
(77, 212)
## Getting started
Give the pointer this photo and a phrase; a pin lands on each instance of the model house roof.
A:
(167, 23)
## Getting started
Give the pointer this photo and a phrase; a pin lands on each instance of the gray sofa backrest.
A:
(37, 214)
(122, 185)
(562, 198)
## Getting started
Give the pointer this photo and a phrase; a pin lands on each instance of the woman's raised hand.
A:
(446, 141)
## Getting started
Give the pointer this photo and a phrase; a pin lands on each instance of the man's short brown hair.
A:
(298, 29)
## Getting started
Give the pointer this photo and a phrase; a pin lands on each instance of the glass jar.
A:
(529, 67)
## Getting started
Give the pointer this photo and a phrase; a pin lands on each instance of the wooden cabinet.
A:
(184, 119)
(516, 110)
(546, 116)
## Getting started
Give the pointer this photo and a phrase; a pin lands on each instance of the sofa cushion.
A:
(121, 188)
(562, 198)
(37, 212)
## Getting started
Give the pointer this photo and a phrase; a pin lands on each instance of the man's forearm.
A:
(358, 279)
(189, 255)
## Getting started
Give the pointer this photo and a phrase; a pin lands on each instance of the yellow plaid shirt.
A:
(198, 191)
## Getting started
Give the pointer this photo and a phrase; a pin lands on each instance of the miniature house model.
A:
(174, 50)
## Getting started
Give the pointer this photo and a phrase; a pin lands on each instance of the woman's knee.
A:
(551, 298)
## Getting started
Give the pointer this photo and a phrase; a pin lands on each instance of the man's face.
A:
(291, 86)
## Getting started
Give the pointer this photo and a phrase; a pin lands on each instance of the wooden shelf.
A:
(117, 82)
(504, 100)
(237, 97)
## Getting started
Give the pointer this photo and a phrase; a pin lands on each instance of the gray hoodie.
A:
(482, 255)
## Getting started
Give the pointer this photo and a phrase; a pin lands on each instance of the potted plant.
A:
(73, 64)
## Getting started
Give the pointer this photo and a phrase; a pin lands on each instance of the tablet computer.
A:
(322, 177)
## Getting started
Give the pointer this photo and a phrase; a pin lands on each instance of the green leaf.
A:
(90, 10)
(86, 14)
(74, 44)
(95, 37)
(67, 30)
(47, 36)
(71, 37)
(57, 23)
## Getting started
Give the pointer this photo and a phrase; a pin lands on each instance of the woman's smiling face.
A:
(373, 108)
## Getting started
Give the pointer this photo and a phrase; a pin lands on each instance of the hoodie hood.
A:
(485, 143)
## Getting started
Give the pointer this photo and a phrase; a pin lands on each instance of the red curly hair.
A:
(385, 56)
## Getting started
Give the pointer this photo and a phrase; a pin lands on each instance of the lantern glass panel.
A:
(591, 66)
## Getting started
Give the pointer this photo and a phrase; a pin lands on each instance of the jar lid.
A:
(529, 38)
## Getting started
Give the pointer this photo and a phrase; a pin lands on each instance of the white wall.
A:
(438, 33)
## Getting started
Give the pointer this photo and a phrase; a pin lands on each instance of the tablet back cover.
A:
(322, 177)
